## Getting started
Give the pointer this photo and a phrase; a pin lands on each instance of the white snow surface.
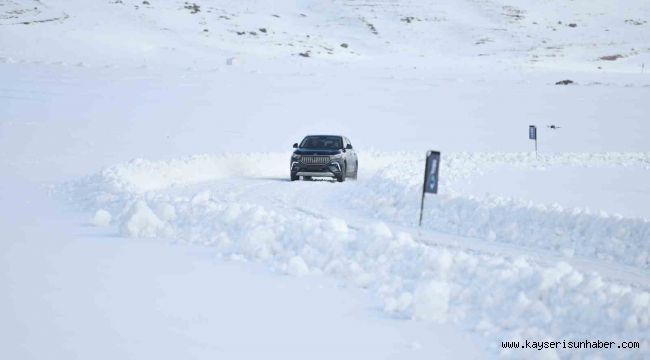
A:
(146, 212)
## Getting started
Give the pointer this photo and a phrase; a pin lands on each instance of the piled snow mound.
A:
(455, 166)
(142, 175)
(392, 194)
(500, 296)
(141, 221)
(431, 301)
(568, 231)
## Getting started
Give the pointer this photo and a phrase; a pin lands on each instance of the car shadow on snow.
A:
(286, 179)
(322, 180)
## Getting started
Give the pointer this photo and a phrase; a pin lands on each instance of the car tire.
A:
(294, 177)
(308, 178)
(344, 171)
(356, 171)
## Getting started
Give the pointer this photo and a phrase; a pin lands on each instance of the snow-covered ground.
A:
(202, 248)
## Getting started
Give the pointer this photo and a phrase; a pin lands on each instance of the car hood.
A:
(316, 152)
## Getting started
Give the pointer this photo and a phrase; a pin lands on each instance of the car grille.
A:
(315, 160)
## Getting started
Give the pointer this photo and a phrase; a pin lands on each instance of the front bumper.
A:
(333, 169)
(316, 174)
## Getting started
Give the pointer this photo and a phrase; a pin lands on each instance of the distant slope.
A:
(593, 36)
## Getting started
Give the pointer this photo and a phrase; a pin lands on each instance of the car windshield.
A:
(322, 142)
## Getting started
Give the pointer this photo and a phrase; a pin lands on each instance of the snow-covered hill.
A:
(487, 35)
(184, 251)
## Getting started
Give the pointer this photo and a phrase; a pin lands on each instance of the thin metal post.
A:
(424, 184)
(421, 208)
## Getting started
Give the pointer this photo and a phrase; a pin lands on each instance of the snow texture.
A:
(102, 218)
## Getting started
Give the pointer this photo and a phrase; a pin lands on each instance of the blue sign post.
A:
(532, 135)
(431, 178)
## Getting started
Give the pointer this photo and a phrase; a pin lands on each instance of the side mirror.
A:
(348, 146)
(295, 146)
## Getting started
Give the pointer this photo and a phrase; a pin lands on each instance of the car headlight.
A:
(295, 157)
(337, 156)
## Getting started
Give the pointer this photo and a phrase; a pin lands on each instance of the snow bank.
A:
(392, 194)
(567, 231)
(431, 301)
(502, 297)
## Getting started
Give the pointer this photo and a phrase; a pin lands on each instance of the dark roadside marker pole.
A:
(532, 135)
(430, 185)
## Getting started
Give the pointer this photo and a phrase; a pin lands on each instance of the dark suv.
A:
(324, 156)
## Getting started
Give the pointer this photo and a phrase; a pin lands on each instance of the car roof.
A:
(324, 135)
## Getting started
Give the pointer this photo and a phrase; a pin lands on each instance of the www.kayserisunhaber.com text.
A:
(565, 344)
